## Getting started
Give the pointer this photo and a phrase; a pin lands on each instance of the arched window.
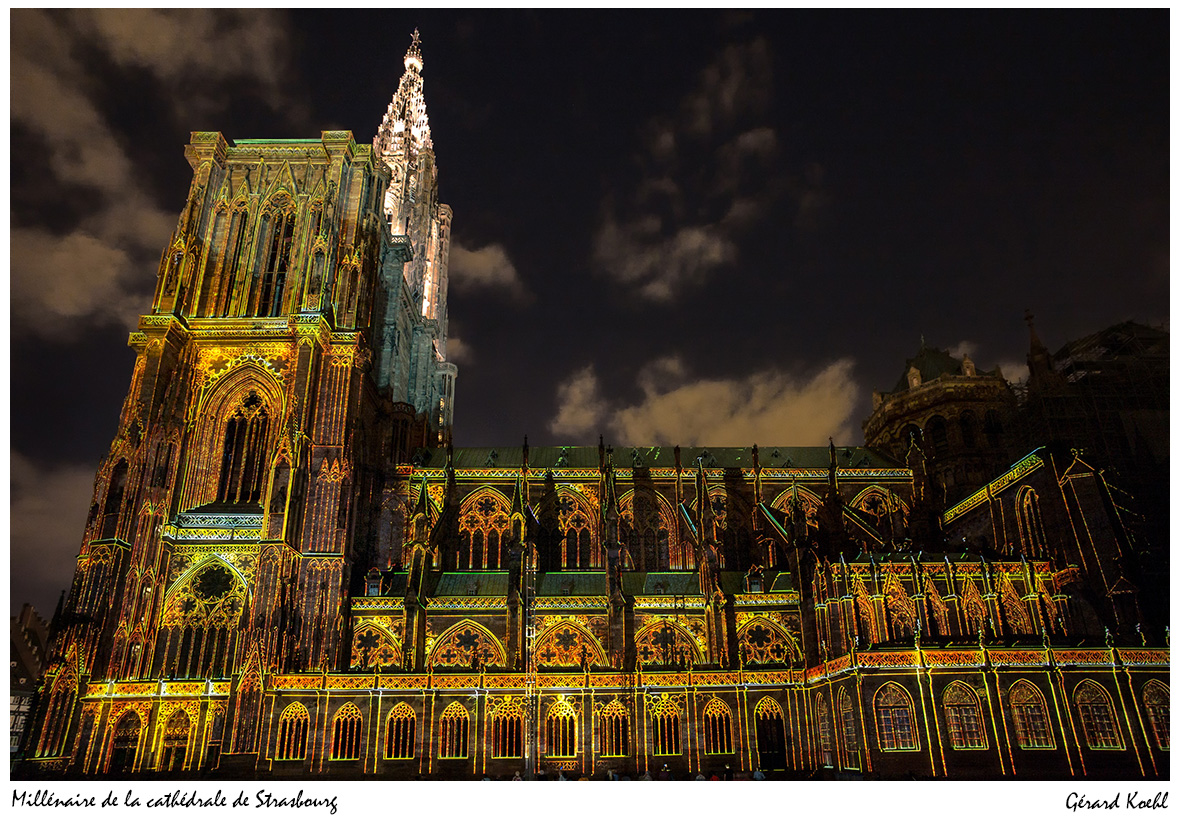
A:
(293, 723)
(507, 729)
(895, 719)
(771, 734)
(114, 500)
(1097, 714)
(718, 731)
(967, 429)
(614, 727)
(244, 457)
(665, 729)
(347, 731)
(229, 300)
(278, 233)
(561, 730)
(1030, 716)
(484, 526)
(1032, 530)
(936, 429)
(823, 720)
(993, 428)
(176, 732)
(848, 729)
(453, 729)
(125, 743)
(399, 732)
(1156, 701)
(964, 719)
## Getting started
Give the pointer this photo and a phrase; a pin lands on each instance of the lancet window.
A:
(718, 728)
(277, 245)
(400, 732)
(114, 500)
(614, 728)
(347, 731)
(244, 457)
(665, 729)
(485, 531)
(561, 730)
(293, 724)
(125, 743)
(823, 719)
(453, 728)
(507, 729)
(176, 734)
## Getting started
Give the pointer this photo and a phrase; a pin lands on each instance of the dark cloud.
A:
(703, 180)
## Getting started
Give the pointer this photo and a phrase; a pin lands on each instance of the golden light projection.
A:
(288, 570)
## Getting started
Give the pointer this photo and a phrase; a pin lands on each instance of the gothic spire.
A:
(405, 130)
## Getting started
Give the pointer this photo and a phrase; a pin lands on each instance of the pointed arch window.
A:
(665, 729)
(176, 734)
(244, 453)
(400, 733)
(114, 500)
(614, 726)
(823, 719)
(293, 724)
(561, 730)
(125, 743)
(1030, 716)
(936, 428)
(1032, 529)
(967, 427)
(1097, 714)
(718, 728)
(453, 728)
(771, 734)
(484, 531)
(964, 720)
(507, 729)
(894, 711)
(848, 729)
(1157, 703)
(280, 230)
(347, 731)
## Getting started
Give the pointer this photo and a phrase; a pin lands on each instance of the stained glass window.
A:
(963, 719)
(1097, 714)
(400, 732)
(895, 719)
(1030, 716)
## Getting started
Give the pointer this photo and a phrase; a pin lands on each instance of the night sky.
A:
(693, 228)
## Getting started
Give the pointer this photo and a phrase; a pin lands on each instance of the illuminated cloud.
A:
(1014, 371)
(179, 44)
(703, 177)
(102, 269)
(580, 408)
(48, 513)
(964, 348)
(459, 351)
(768, 406)
(486, 268)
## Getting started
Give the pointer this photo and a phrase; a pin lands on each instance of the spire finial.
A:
(414, 53)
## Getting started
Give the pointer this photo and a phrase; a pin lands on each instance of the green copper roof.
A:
(543, 458)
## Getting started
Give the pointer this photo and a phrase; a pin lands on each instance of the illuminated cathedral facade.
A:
(288, 570)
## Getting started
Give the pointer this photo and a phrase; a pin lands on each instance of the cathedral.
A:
(289, 571)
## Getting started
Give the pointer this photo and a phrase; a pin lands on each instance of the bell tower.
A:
(412, 207)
